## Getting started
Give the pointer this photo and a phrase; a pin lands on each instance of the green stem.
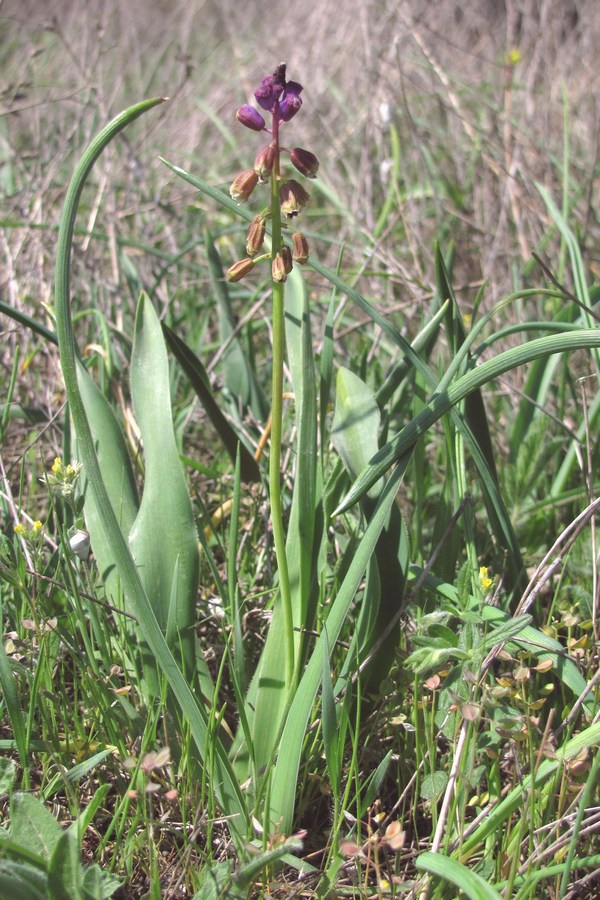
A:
(276, 421)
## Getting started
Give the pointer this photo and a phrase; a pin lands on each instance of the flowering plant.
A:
(281, 100)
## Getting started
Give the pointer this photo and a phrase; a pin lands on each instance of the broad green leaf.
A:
(512, 628)
(251, 870)
(117, 472)
(222, 779)
(163, 538)
(33, 826)
(8, 773)
(19, 881)
(356, 422)
(469, 882)
(99, 884)
(266, 700)
(64, 870)
(302, 535)
(434, 785)
(86, 816)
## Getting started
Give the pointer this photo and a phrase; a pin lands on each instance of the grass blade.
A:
(441, 403)
(470, 883)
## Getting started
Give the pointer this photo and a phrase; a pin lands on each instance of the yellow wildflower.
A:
(19, 529)
(484, 580)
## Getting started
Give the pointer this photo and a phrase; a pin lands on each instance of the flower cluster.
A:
(62, 479)
(281, 99)
(34, 531)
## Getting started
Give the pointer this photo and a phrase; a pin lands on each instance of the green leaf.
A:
(117, 472)
(250, 871)
(84, 819)
(65, 870)
(470, 883)
(18, 881)
(8, 774)
(98, 884)
(216, 883)
(198, 379)
(33, 826)
(356, 423)
(285, 775)
(512, 628)
(238, 373)
(163, 538)
(330, 725)
(443, 401)
(266, 700)
(223, 780)
(13, 706)
(495, 819)
(434, 785)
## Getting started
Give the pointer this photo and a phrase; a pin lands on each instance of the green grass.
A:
(415, 710)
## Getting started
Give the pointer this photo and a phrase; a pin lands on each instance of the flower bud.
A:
(250, 117)
(239, 269)
(263, 164)
(300, 247)
(243, 185)
(293, 198)
(282, 264)
(256, 236)
(305, 161)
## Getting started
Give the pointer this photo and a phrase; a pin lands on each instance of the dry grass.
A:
(475, 135)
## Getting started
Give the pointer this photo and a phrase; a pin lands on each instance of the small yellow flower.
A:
(57, 465)
(19, 529)
(484, 580)
(36, 527)
(513, 56)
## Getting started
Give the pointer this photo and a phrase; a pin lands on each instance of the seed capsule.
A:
(239, 269)
(243, 185)
(256, 236)
(305, 161)
(300, 243)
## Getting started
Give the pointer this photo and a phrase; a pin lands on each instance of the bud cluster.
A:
(281, 99)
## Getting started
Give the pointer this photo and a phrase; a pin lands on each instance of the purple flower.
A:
(290, 102)
(271, 88)
(250, 117)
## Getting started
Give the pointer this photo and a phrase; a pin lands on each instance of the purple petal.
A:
(268, 92)
(289, 106)
(250, 117)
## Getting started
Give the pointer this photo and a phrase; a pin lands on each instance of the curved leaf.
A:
(163, 538)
